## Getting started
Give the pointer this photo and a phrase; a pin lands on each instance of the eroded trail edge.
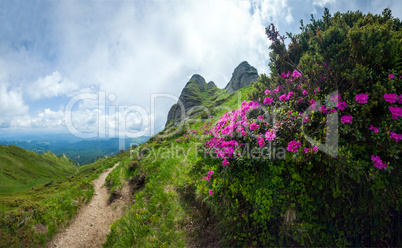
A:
(92, 223)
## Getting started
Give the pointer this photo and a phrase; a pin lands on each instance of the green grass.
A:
(166, 210)
(51, 205)
(21, 169)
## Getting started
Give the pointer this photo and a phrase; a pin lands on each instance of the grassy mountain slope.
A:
(21, 169)
(166, 211)
(31, 217)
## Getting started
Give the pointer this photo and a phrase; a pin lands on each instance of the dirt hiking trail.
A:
(92, 222)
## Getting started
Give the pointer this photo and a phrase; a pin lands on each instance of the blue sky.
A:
(93, 66)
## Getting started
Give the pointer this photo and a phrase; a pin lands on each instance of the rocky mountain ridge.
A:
(197, 91)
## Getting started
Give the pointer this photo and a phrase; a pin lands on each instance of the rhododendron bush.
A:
(309, 161)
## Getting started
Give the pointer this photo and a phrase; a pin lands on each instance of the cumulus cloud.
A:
(11, 103)
(50, 86)
(131, 50)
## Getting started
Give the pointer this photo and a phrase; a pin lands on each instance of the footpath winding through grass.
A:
(32, 217)
(92, 223)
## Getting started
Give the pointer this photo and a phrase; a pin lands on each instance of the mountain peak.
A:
(242, 76)
(197, 79)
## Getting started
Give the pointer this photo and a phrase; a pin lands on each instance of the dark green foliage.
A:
(314, 199)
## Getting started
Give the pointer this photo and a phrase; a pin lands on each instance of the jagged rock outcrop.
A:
(191, 97)
(197, 91)
(242, 76)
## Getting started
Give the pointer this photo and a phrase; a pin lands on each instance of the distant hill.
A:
(81, 151)
(21, 169)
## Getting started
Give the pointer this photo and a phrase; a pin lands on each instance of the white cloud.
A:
(132, 49)
(11, 103)
(323, 3)
(153, 49)
(289, 17)
(50, 86)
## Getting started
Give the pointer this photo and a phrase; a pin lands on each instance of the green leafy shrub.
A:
(314, 161)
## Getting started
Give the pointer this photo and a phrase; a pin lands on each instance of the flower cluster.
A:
(341, 105)
(285, 97)
(268, 100)
(362, 98)
(378, 162)
(210, 173)
(292, 76)
(347, 119)
(307, 150)
(391, 98)
(254, 126)
(270, 134)
(229, 124)
(395, 111)
(395, 136)
(374, 129)
(293, 146)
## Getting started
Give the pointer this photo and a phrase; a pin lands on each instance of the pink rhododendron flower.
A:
(277, 89)
(391, 76)
(268, 100)
(395, 136)
(290, 94)
(283, 97)
(209, 175)
(400, 99)
(267, 92)
(296, 74)
(374, 129)
(362, 98)
(260, 117)
(396, 112)
(317, 90)
(305, 118)
(305, 92)
(254, 126)
(341, 105)
(306, 150)
(347, 118)
(285, 75)
(225, 162)
(293, 146)
(323, 109)
(391, 98)
(378, 163)
(210, 192)
(270, 135)
(313, 103)
(261, 142)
